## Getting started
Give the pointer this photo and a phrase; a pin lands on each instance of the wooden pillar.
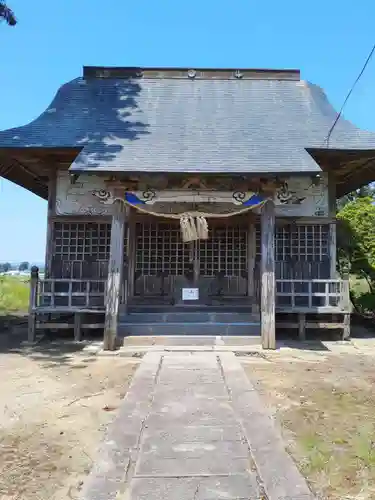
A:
(332, 227)
(332, 250)
(33, 302)
(251, 255)
(131, 251)
(51, 212)
(115, 275)
(268, 285)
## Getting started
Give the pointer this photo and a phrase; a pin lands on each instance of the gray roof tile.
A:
(179, 125)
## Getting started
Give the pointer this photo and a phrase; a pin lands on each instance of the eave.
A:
(351, 168)
(31, 168)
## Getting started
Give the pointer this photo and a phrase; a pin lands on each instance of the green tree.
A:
(356, 246)
(5, 267)
(24, 266)
(6, 14)
(364, 191)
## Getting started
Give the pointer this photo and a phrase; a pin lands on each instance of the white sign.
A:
(190, 294)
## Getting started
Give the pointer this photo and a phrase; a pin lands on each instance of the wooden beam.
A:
(316, 325)
(268, 284)
(115, 274)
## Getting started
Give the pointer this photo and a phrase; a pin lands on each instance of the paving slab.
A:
(174, 434)
(193, 427)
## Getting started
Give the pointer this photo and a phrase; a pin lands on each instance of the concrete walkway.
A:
(192, 427)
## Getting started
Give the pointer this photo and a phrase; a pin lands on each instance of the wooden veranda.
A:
(124, 268)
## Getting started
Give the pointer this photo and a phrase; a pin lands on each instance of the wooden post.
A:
(302, 326)
(78, 326)
(332, 227)
(33, 301)
(51, 212)
(131, 250)
(251, 254)
(346, 327)
(115, 274)
(345, 294)
(346, 307)
(268, 285)
(332, 250)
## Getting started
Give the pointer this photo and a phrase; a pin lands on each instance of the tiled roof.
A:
(183, 125)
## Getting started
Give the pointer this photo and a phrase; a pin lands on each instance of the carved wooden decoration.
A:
(77, 199)
(302, 197)
(93, 195)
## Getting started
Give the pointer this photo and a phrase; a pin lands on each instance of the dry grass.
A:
(54, 408)
(327, 413)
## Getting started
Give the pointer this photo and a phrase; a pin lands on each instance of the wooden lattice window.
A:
(225, 251)
(160, 249)
(80, 250)
(82, 241)
(305, 242)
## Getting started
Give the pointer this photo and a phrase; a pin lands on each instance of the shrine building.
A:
(189, 202)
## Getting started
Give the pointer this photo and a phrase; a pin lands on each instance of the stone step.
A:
(189, 328)
(189, 317)
(167, 308)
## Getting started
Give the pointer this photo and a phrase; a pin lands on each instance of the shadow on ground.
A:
(60, 348)
(50, 349)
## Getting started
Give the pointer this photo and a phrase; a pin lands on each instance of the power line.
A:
(349, 94)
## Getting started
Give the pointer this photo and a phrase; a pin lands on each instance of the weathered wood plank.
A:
(324, 325)
(268, 284)
(66, 326)
(66, 309)
(313, 310)
(115, 275)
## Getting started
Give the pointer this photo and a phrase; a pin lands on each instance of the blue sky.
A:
(327, 40)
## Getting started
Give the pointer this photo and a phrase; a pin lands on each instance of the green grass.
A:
(14, 294)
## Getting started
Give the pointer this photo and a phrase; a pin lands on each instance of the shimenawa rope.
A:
(193, 224)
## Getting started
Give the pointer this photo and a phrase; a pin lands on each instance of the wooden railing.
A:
(74, 269)
(312, 295)
(68, 294)
(71, 293)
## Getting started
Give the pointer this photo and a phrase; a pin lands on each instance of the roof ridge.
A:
(109, 72)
